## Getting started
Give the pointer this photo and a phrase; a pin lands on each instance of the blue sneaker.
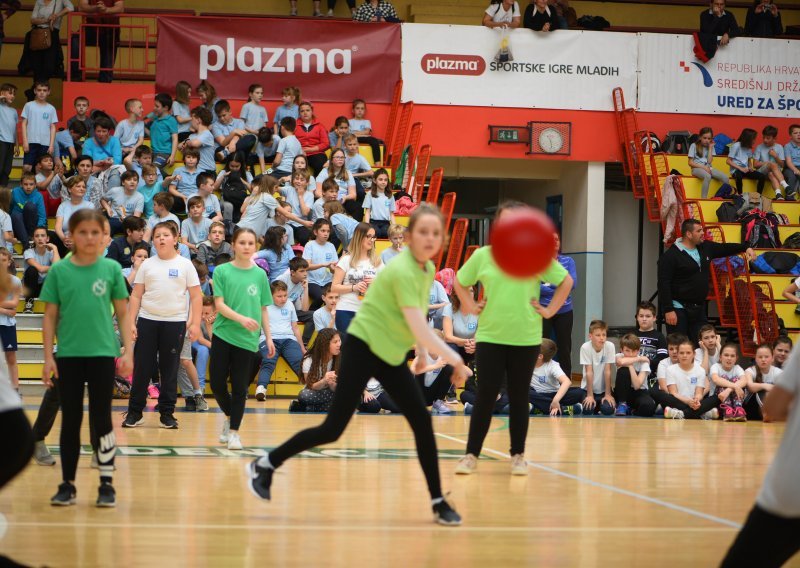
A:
(622, 409)
(577, 409)
(467, 408)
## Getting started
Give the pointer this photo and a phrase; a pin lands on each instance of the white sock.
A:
(263, 461)
(436, 501)
(198, 391)
(784, 185)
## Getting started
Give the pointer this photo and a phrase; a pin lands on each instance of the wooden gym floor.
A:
(600, 491)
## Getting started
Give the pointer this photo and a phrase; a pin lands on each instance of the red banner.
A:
(330, 61)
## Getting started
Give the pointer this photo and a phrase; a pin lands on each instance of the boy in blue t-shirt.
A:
(130, 132)
(791, 154)
(8, 130)
(183, 181)
(27, 208)
(163, 132)
(285, 335)
(202, 140)
(288, 148)
(39, 120)
(205, 190)
(135, 161)
(230, 133)
(769, 160)
(149, 186)
(68, 143)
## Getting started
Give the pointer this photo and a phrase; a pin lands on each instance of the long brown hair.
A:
(354, 249)
(320, 355)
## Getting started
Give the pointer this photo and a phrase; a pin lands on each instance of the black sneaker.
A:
(295, 406)
(444, 514)
(65, 496)
(259, 479)
(168, 421)
(191, 405)
(133, 419)
(106, 496)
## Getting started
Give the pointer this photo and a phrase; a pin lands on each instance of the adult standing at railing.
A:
(48, 63)
(8, 8)
(101, 29)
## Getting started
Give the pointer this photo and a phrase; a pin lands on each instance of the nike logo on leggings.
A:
(107, 448)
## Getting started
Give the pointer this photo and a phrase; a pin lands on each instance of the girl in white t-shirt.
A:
(731, 382)
(502, 14)
(320, 369)
(322, 258)
(760, 379)
(159, 299)
(354, 273)
(379, 205)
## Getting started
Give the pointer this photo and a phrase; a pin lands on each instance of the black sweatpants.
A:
(6, 161)
(640, 401)
(48, 410)
(496, 363)
(560, 326)
(226, 360)
(162, 339)
(438, 388)
(690, 319)
(753, 404)
(706, 404)
(358, 364)
(373, 142)
(98, 374)
(738, 176)
(16, 444)
(766, 541)
(316, 162)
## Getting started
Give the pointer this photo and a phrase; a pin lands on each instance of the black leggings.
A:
(48, 410)
(738, 176)
(315, 296)
(332, 4)
(358, 364)
(316, 162)
(30, 279)
(227, 359)
(98, 374)
(438, 388)
(640, 401)
(373, 142)
(163, 339)
(16, 444)
(561, 324)
(665, 399)
(766, 541)
(494, 364)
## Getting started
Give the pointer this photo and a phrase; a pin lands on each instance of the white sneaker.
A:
(234, 442)
(673, 413)
(518, 465)
(712, 414)
(467, 465)
(226, 432)
(330, 13)
(261, 392)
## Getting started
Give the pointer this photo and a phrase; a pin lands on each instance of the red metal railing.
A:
(420, 174)
(434, 186)
(458, 236)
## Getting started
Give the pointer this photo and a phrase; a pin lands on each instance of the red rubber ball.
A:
(523, 242)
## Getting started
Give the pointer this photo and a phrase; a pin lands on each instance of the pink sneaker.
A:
(739, 414)
(728, 415)
(153, 392)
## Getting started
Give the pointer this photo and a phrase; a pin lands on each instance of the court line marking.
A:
(613, 488)
(426, 527)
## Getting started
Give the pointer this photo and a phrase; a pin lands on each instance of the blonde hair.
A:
(355, 249)
(396, 230)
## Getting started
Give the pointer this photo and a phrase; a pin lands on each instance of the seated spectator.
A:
(717, 28)
(740, 159)
(760, 380)
(343, 225)
(631, 389)
(376, 11)
(301, 200)
(686, 383)
(48, 182)
(6, 230)
(374, 399)
(791, 153)
(183, 181)
(38, 261)
(285, 335)
(313, 138)
(597, 357)
(83, 168)
(551, 389)
(768, 159)
(763, 20)
(502, 14)
(361, 127)
(276, 251)
(266, 148)
(730, 381)
(781, 351)
(163, 131)
(539, 17)
(707, 355)
(77, 190)
(437, 302)
(397, 238)
(234, 184)
(460, 327)
(68, 143)
(27, 209)
(230, 133)
(253, 114)
(123, 202)
(325, 317)
(347, 195)
(296, 280)
(205, 191)
(289, 149)
(701, 156)
(201, 140)
(136, 160)
(208, 99)
(433, 376)
(121, 248)
(195, 228)
(340, 130)
(215, 245)
(103, 148)
(130, 132)
(162, 205)
(81, 115)
(319, 373)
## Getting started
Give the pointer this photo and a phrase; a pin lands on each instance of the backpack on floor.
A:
(760, 230)
(677, 142)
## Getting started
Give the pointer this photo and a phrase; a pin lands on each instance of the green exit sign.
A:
(508, 135)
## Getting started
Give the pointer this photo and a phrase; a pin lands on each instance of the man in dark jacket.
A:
(717, 28)
(683, 272)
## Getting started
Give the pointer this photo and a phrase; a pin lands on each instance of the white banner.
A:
(455, 65)
(750, 77)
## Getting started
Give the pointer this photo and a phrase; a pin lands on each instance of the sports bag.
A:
(677, 142)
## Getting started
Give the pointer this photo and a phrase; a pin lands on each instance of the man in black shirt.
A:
(683, 272)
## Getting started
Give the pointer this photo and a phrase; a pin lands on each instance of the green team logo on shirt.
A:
(252, 290)
(99, 287)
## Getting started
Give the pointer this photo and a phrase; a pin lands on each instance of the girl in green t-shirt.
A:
(507, 343)
(241, 294)
(391, 320)
(78, 292)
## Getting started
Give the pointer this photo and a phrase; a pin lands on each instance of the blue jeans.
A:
(25, 221)
(343, 319)
(201, 362)
(289, 349)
